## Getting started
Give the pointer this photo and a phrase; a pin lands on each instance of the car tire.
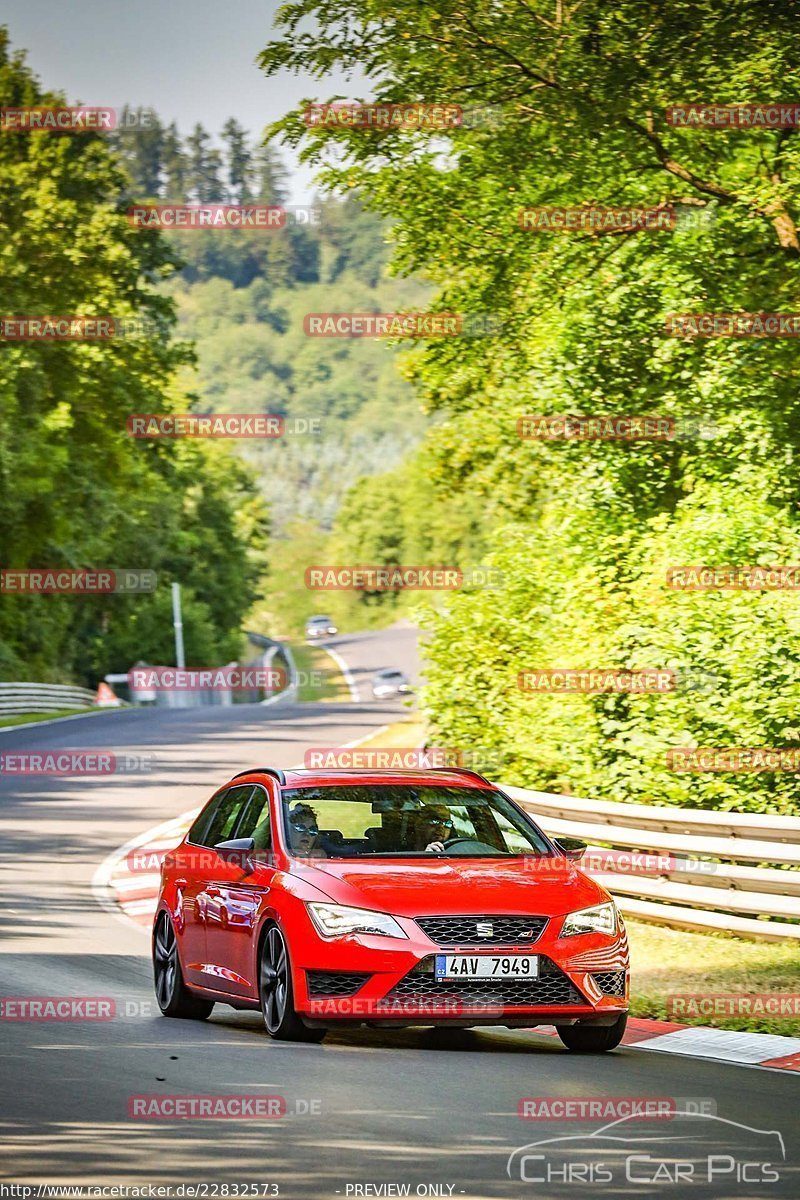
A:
(276, 995)
(593, 1039)
(173, 996)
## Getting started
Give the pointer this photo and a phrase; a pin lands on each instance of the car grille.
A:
(335, 983)
(611, 983)
(463, 931)
(551, 987)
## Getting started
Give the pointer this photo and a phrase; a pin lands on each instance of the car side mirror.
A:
(237, 852)
(572, 848)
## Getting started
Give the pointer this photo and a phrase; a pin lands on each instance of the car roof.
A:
(342, 777)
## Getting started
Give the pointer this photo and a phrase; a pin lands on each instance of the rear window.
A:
(406, 820)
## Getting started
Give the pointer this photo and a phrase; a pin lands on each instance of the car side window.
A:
(201, 822)
(255, 822)
(226, 814)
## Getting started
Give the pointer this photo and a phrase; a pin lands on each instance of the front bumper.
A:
(365, 978)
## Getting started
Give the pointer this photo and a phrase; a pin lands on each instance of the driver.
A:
(433, 828)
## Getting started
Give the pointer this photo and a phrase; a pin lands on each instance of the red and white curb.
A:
(127, 885)
(700, 1041)
(128, 881)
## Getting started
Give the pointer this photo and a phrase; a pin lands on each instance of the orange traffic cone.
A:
(105, 697)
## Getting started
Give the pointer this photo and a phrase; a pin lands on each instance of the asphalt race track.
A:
(369, 1113)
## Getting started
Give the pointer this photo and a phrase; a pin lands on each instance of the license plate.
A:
(487, 966)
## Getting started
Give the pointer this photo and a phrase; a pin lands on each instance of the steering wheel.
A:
(472, 842)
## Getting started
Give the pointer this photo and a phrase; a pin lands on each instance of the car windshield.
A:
(406, 820)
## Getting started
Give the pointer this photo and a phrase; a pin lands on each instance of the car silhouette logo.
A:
(484, 929)
(689, 1132)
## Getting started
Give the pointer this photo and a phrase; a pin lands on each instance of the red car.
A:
(389, 898)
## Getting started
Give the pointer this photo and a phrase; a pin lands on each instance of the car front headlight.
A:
(337, 920)
(600, 919)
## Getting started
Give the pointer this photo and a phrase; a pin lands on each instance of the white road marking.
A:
(355, 694)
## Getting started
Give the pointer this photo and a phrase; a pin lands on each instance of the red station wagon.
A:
(386, 898)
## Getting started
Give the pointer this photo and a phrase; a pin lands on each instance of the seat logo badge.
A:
(484, 929)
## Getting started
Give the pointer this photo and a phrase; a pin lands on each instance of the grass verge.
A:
(320, 676)
(35, 718)
(410, 733)
(667, 962)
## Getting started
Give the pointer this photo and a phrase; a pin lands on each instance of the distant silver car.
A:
(317, 627)
(390, 682)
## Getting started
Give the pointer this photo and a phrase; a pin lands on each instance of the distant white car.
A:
(317, 627)
(390, 682)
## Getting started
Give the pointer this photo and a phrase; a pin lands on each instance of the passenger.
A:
(304, 832)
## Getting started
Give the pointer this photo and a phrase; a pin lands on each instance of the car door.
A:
(190, 866)
(203, 879)
(241, 891)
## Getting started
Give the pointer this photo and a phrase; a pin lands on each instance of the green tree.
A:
(142, 150)
(238, 163)
(269, 176)
(575, 103)
(75, 489)
(204, 166)
(175, 167)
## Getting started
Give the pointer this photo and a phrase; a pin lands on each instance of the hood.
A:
(454, 886)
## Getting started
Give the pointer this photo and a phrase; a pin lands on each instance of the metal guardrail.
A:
(290, 691)
(707, 879)
(762, 826)
(42, 697)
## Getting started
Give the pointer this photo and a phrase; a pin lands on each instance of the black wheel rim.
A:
(274, 980)
(165, 960)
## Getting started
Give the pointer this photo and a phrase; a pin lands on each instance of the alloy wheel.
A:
(274, 979)
(165, 959)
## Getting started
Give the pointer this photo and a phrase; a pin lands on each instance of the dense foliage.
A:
(585, 530)
(75, 490)
(241, 299)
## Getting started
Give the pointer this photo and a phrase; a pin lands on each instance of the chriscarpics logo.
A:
(694, 1149)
